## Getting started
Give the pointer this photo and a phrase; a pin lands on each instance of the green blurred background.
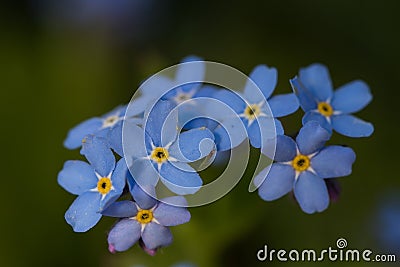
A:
(65, 61)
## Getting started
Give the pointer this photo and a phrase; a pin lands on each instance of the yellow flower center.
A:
(144, 216)
(301, 163)
(325, 109)
(252, 111)
(159, 154)
(104, 185)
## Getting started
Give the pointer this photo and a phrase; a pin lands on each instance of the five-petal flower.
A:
(146, 218)
(159, 151)
(302, 165)
(332, 110)
(256, 105)
(99, 126)
(97, 185)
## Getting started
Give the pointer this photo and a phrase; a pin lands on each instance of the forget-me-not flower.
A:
(160, 151)
(253, 109)
(302, 165)
(97, 185)
(146, 219)
(103, 126)
(186, 83)
(332, 109)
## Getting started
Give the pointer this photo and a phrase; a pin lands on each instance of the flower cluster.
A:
(157, 139)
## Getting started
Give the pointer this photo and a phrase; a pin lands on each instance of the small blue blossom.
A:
(103, 126)
(160, 151)
(332, 110)
(302, 166)
(386, 222)
(97, 185)
(188, 78)
(186, 85)
(253, 109)
(146, 219)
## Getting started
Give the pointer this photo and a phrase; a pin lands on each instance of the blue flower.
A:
(103, 126)
(188, 78)
(186, 85)
(332, 110)
(159, 151)
(146, 219)
(386, 222)
(302, 165)
(253, 109)
(97, 185)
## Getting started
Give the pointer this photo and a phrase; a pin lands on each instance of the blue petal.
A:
(180, 178)
(316, 116)
(278, 127)
(121, 209)
(282, 105)
(138, 105)
(108, 199)
(152, 89)
(144, 172)
(171, 94)
(306, 99)
(351, 126)
(118, 177)
(279, 182)
(333, 161)
(316, 80)
(222, 139)
(115, 138)
(351, 97)
(233, 100)
(265, 78)
(97, 151)
(191, 58)
(133, 141)
(201, 122)
(83, 213)
(177, 201)
(192, 145)
(311, 193)
(230, 134)
(155, 235)
(168, 215)
(311, 138)
(206, 91)
(285, 149)
(124, 234)
(143, 197)
(76, 134)
(77, 177)
(118, 111)
(254, 134)
(192, 69)
(161, 123)
(262, 129)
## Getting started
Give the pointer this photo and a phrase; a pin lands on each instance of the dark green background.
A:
(53, 76)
